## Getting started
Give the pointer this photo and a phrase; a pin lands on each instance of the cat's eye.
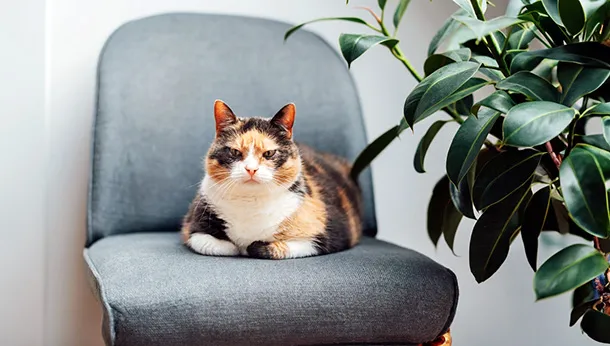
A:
(235, 152)
(269, 154)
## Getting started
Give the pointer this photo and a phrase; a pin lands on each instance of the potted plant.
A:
(521, 162)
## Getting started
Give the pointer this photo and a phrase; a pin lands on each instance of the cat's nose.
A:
(251, 171)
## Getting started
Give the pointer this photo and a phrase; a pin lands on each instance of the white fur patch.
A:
(206, 244)
(301, 248)
(251, 211)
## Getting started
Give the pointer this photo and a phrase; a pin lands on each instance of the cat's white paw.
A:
(301, 248)
(206, 244)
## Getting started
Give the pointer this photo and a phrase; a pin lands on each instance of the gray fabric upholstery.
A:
(157, 292)
(158, 79)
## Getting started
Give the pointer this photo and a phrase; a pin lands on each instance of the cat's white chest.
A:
(251, 215)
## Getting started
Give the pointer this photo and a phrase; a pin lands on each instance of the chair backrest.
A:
(157, 80)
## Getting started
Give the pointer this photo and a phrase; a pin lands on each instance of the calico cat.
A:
(265, 196)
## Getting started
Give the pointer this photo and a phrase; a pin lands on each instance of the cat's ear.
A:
(285, 118)
(224, 116)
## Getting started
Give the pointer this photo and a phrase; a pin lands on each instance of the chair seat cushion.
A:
(157, 292)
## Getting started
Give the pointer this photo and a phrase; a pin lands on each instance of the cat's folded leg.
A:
(209, 245)
(283, 249)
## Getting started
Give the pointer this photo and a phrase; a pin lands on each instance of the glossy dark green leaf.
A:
(572, 15)
(400, 11)
(514, 8)
(372, 150)
(582, 294)
(545, 69)
(595, 140)
(354, 45)
(552, 9)
(467, 143)
(538, 210)
(436, 61)
(521, 37)
(464, 105)
(503, 175)
(493, 74)
(599, 109)
(499, 101)
(578, 81)
(447, 30)
(346, 19)
(579, 310)
(424, 144)
(593, 54)
(443, 218)
(381, 3)
(461, 195)
(597, 326)
(568, 269)
(534, 123)
(596, 12)
(606, 128)
(482, 28)
(530, 85)
(583, 175)
(436, 209)
(436, 90)
(492, 234)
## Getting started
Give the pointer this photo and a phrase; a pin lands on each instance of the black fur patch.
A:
(204, 220)
(224, 157)
(259, 249)
(300, 187)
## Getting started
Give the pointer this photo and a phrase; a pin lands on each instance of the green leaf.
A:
(606, 124)
(492, 74)
(530, 85)
(534, 123)
(443, 218)
(347, 19)
(461, 195)
(503, 175)
(514, 8)
(372, 150)
(598, 109)
(354, 45)
(572, 15)
(583, 175)
(448, 29)
(577, 81)
(466, 5)
(583, 294)
(552, 9)
(436, 61)
(521, 38)
(499, 101)
(492, 234)
(467, 142)
(434, 91)
(568, 269)
(436, 208)
(597, 326)
(580, 310)
(400, 11)
(593, 54)
(596, 141)
(381, 3)
(538, 210)
(483, 28)
(596, 13)
(424, 144)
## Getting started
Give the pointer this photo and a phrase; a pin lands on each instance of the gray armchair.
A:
(157, 80)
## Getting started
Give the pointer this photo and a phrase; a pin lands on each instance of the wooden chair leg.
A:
(443, 340)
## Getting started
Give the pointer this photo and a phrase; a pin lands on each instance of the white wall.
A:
(502, 308)
(22, 172)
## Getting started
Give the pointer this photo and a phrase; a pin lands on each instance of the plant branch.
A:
(490, 40)
(556, 158)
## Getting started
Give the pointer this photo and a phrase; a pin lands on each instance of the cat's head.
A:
(254, 152)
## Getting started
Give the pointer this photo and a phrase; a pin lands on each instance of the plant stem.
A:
(556, 159)
(490, 41)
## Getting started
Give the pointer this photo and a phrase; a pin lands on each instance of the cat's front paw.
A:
(266, 250)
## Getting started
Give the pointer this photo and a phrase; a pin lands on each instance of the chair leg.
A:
(443, 340)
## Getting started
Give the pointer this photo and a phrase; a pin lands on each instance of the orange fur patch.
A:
(354, 229)
(186, 232)
(308, 221)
